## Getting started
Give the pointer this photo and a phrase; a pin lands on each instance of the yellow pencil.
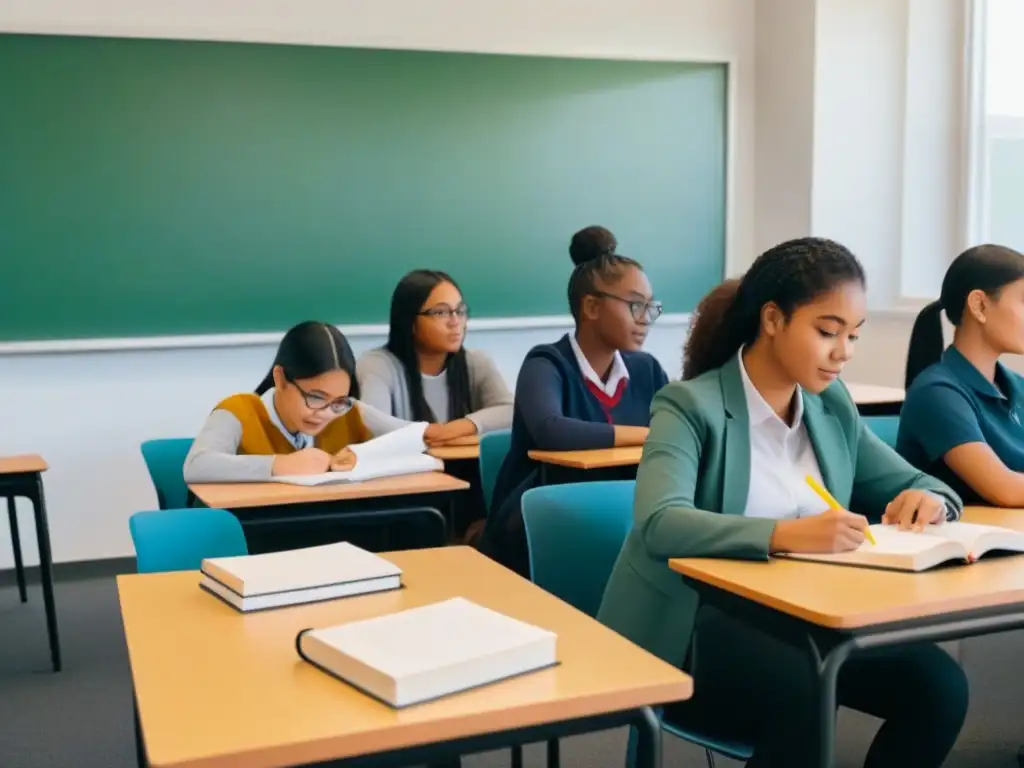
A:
(827, 497)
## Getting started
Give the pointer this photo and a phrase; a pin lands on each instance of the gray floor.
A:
(81, 717)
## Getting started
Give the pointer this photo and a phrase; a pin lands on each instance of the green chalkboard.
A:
(156, 187)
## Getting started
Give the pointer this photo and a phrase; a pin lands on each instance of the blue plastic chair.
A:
(179, 539)
(493, 449)
(885, 428)
(165, 460)
(574, 533)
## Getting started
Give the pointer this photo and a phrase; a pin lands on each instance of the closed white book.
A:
(401, 452)
(918, 551)
(428, 652)
(256, 582)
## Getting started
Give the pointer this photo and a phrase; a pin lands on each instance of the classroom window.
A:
(997, 183)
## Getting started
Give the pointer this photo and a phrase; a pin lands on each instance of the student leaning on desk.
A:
(723, 475)
(590, 389)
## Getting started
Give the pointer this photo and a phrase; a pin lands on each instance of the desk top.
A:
(869, 394)
(220, 689)
(602, 458)
(16, 465)
(244, 495)
(844, 597)
(463, 449)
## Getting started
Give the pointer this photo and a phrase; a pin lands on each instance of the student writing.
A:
(962, 419)
(424, 373)
(722, 475)
(301, 419)
(591, 389)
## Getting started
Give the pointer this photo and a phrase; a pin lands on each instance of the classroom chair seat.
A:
(165, 460)
(179, 539)
(574, 533)
(493, 449)
(885, 428)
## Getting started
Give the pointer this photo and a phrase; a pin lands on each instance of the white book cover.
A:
(401, 452)
(918, 551)
(298, 569)
(426, 652)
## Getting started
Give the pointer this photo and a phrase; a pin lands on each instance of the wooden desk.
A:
(219, 689)
(384, 499)
(873, 400)
(23, 476)
(465, 449)
(601, 464)
(1004, 518)
(833, 610)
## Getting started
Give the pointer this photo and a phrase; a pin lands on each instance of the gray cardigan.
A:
(382, 385)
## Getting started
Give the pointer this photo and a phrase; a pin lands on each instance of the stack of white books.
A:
(427, 652)
(256, 582)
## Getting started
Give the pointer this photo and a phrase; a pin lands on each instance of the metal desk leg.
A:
(648, 744)
(828, 675)
(554, 757)
(46, 571)
(19, 566)
(140, 745)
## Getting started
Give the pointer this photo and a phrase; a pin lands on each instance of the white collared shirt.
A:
(781, 457)
(618, 372)
(299, 440)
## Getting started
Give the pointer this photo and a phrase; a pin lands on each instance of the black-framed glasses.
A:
(642, 311)
(317, 402)
(444, 312)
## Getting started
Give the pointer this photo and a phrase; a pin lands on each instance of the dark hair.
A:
(309, 349)
(789, 275)
(407, 301)
(988, 268)
(592, 250)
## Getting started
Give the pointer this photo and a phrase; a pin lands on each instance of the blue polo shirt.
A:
(951, 403)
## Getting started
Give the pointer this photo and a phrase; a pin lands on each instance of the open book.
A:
(937, 544)
(427, 652)
(401, 452)
(256, 582)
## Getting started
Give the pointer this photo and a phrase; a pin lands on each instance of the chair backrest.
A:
(574, 533)
(165, 460)
(179, 539)
(885, 428)
(493, 449)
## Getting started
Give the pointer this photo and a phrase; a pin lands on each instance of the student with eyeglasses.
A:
(300, 420)
(424, 373)
(590, 389)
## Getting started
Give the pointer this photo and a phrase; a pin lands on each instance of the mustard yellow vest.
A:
(260, 437)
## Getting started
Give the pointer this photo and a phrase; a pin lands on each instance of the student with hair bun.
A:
(962, 419)
(723, 475)
(590, 389)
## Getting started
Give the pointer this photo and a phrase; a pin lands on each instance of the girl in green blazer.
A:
(758, 409)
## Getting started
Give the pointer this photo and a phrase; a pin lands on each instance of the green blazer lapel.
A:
(736, 472)
(830, 448)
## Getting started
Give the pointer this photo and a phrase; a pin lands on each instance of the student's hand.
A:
(913, 510)
(343, 460)
(831, 531)
(438, 434)
(308, 461)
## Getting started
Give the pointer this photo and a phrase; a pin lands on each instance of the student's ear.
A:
(590, 307)
(279, 379)
(772, 319)
(977, 303)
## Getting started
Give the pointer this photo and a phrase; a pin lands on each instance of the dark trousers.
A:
(753, 688)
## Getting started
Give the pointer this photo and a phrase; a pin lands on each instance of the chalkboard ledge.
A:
(209, 340)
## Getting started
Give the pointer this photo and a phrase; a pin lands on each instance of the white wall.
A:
(87, 413)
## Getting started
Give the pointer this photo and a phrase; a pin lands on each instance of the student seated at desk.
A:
(590, 389)
(424, 373)
(300, 421)
(962, 418)
(723, 475)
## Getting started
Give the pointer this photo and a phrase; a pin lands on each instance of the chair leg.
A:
(554, 758)
(517, 756)
(710, 756)
(19, 566)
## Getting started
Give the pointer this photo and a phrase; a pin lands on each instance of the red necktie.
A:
(606, 401)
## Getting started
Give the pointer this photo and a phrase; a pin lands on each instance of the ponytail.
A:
(267, 384)
(926, 341)
(716, 333)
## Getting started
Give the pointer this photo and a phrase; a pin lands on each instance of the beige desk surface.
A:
(841, 597)
(464, 449)
(869, 394)
(242, 495)
(15, 465)
(219, 688)
(602, 458)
